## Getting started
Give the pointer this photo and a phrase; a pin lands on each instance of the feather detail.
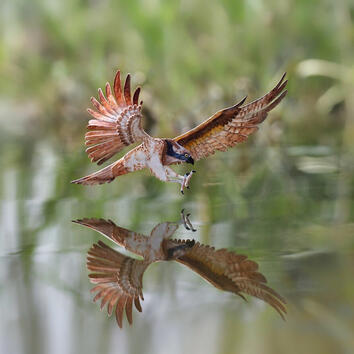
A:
(231, 272)
(232, 125)
(118, 278)
(132, 241)
(119, 281)
(126, 164)
(105, 175)
(136, 96)
(127, 96)
(118, 90)
(116, 123)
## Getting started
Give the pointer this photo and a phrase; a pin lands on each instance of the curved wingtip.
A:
(241, 102)
(281, 81)
(86, 221)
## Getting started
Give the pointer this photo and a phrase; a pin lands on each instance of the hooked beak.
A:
(190, 160)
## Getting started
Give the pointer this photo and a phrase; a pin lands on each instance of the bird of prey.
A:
(116, 124)
(118, 278)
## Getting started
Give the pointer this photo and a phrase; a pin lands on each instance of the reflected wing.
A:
(116, 121)
(118, 279)
(132, 241)
(231, 272)
(232, 125)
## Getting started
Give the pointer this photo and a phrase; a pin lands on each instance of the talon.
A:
(188, 187)
(187, 223)
(182, 191)
(194, 171)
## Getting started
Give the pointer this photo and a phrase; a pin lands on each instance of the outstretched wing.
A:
(118, 280)
(116, 121)
(232, 125)
(231, 272)
(130, 240)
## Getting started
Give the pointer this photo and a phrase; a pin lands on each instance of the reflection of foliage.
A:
(342, 91)
(337, 92)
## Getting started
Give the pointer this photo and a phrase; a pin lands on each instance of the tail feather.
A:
(105, 175)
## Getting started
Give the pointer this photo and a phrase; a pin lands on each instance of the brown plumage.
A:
(118, 278)
(113, 125)
(232, 125)
(116, 124)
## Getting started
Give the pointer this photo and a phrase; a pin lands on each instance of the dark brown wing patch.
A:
(232, 125)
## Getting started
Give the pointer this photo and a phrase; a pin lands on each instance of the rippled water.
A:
(282, 213)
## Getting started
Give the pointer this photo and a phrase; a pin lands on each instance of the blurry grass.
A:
(190, 63)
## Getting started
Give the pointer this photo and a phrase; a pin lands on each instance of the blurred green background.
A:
(285, 197)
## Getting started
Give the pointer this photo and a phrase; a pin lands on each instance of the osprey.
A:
(116, 124)
(119, 278)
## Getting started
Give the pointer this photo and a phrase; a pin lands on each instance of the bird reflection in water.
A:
(118, 277)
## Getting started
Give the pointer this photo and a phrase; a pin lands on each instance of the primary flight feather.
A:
(116, 124)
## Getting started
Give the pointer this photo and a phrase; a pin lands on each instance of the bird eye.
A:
(186, 155)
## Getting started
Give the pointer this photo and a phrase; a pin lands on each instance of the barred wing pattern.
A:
(116, 121)
(232, 125)
(118, 279)
(231, 272)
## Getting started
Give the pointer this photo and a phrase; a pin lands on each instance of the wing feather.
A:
(136, 96)
(132, 241)
(231, 125)
(120, 309)
(127, 96)
(111, 100)
(137, 304)
(231, 272)
(118, 279)
(129, 310)
(116, 123)
(118, 90)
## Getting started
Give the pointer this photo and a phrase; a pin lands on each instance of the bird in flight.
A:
(118, 278)
(116, 124)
